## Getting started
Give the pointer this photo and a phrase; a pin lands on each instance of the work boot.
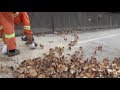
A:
(11, 53)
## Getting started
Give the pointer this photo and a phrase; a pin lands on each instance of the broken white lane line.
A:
(99, 38)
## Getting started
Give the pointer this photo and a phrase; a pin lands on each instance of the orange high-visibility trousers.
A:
(7, 28)
(23, 18)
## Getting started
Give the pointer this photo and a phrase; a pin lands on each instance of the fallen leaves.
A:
(41, 46)
(62, 67)
(100, 48)
(64, 37)
(72, 43)
(55, 64)
(31, 72)
(57, 33)
(76, 37)
(69, 47)
(41, 76)
(5, 69)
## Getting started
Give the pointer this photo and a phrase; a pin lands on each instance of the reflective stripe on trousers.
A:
(10, 35)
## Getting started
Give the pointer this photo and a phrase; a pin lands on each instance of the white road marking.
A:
(99, 38)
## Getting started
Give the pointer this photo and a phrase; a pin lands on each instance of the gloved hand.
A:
(4, 50)
(29, 39)
(30, 42)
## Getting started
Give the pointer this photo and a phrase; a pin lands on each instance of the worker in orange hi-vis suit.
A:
(7, 20)
(7, 30)
(23, 18)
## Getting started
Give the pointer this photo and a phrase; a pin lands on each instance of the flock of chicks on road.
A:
(55, 64)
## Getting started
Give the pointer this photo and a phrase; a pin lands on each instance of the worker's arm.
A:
(26, 23)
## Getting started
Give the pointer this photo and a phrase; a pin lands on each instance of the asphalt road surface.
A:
(89, 40)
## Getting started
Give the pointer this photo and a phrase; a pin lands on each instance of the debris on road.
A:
(53, 66)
